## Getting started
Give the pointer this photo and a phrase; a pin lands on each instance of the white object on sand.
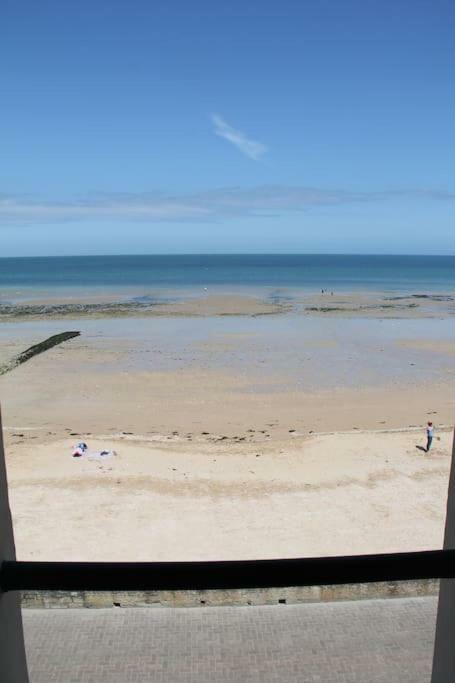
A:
(100, 455)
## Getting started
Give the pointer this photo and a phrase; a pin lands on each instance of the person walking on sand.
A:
(430, 433)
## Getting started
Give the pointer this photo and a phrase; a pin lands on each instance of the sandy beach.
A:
(237, 434)
(319, 495)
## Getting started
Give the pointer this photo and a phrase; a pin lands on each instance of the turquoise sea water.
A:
(309, 272)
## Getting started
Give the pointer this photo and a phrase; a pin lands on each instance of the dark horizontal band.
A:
(154, 576)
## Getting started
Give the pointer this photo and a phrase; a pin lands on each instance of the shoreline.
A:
(269, 302)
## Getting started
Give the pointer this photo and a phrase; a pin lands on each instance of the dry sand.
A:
(319, 495)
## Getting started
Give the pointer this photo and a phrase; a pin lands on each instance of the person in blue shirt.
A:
(430, 433)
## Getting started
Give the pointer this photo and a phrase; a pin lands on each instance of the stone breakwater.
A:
(36, 349)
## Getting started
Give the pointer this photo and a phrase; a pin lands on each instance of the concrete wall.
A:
(13, 667)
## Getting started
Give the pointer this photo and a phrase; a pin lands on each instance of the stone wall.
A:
(259, 596)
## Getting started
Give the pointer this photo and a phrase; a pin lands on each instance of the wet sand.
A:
(217, 302)
(146, 306)
(226, 376)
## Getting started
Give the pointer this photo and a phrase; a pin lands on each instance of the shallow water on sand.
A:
(282, 352)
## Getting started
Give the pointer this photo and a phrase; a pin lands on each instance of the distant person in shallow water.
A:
(430, 433)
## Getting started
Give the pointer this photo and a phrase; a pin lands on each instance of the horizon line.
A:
(235, 253)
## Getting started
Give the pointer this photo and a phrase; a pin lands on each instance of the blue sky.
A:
(170, 127)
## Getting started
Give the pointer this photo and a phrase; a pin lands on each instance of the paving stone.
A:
(368, 641)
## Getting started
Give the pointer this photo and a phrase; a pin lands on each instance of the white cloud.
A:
(251, 148)
(211, 205)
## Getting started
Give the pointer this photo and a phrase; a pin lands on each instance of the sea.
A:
(22, 277)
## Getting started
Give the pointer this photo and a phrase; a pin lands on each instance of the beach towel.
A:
(100, 455)
(81, 449)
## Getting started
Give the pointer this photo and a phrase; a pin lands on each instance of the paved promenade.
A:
(365, 641)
